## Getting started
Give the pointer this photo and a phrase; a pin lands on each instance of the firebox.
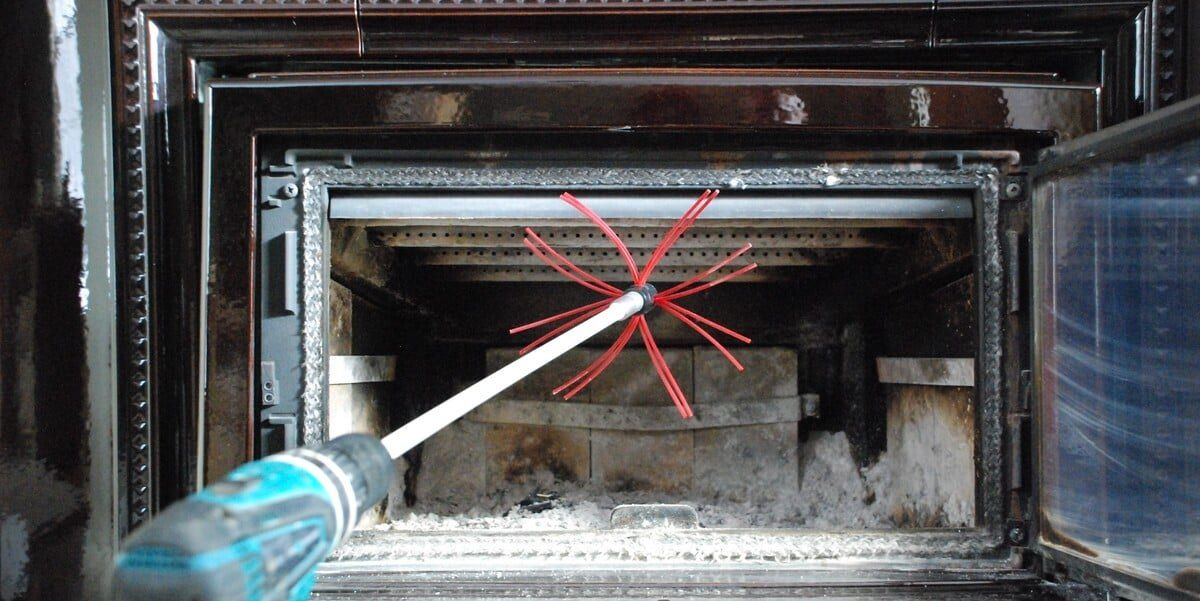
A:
(391, 286)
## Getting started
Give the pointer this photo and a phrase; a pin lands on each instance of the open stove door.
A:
(1116, 217)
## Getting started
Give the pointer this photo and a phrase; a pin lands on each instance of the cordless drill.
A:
(260, 532)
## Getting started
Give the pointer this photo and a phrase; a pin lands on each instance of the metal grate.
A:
(489, 252)
(700, 257)
(609, 274)
(478, 235)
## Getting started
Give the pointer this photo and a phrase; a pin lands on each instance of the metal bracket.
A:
(281, 170)
(273, 198)
(289, 266)
(270, 384)
(288, 421)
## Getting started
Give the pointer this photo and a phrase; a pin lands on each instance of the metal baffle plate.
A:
(655, 516)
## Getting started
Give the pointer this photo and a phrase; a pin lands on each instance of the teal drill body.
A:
(260, 533)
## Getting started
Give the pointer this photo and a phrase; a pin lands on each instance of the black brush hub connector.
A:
(648, 292)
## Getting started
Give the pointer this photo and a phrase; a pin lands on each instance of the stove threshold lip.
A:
(983, 571)
(750, 548)
(977, 184)
(972, 580)
(825, 571)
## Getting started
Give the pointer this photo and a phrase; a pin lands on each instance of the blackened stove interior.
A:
(856, 409)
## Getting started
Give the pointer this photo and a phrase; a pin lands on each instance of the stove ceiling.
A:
(477, 235)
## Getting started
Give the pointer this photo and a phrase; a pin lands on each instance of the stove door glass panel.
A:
(1118, 345)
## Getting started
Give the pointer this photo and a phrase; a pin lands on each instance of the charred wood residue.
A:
(1052, 535)
(516, 451)
(1187, 579)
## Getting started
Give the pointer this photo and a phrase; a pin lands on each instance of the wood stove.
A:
(441, 238)
(325, 204)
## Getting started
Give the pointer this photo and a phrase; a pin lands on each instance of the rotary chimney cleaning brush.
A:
(632, 303)
(640, 284)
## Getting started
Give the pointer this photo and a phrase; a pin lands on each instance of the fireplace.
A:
(345, 229)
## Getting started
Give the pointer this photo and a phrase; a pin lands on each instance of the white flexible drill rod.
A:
(429, 423)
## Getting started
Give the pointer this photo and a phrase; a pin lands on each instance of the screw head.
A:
(1012, 189)
(1016, 535)
(289, 191)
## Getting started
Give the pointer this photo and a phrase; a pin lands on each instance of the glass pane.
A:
(1119, 342)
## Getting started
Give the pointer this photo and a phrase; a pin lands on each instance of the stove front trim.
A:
(981, 180)
(970, 580)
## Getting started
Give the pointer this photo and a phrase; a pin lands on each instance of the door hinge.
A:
(1018, 433)
(1013, 269)
(1025, 389)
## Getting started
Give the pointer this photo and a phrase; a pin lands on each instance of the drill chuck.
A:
(260, 532)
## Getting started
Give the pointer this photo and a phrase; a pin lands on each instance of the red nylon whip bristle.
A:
(640, 277)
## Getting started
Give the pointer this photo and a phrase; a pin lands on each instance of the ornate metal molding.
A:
(1169, 52)
(857, 176)
(136, 449)
(991, 350)
(134, 282)
(314, 422)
